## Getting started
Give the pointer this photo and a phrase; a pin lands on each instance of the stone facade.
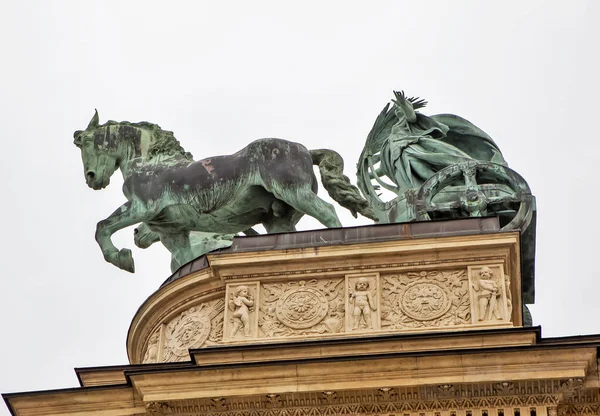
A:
(423, 327)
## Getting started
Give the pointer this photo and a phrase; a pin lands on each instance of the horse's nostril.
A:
(90, 175)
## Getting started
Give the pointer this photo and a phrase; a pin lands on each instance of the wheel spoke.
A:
(445, 206)
(503, 200)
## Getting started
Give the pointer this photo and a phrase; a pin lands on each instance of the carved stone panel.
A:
(302, 308)
(191, 329)
(425, 299)
(488, 292)
(362, 302)
(240, 313)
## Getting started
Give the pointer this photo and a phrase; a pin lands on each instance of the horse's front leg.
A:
(126, 215)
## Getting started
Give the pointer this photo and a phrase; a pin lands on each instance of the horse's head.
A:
(99, 152)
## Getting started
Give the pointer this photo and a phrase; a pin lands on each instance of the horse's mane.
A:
(165, 142)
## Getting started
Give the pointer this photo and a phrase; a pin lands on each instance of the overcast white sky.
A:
(221, 74)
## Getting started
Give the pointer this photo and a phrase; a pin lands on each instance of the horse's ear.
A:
(94, 121)
(77, 137)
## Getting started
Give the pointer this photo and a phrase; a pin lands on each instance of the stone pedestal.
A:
(441, 284)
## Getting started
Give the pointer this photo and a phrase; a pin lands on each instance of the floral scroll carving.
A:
(425, 299)
(302, 308)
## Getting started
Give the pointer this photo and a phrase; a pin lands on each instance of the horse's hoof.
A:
(126, 260)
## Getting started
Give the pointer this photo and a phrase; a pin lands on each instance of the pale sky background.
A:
(221, 74)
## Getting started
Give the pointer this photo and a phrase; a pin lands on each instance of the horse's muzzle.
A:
(94, 182)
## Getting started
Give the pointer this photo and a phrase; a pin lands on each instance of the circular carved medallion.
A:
(424, 301)
(302, 308)
(189, 332)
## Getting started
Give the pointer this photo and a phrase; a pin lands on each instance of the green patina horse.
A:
(269, 182)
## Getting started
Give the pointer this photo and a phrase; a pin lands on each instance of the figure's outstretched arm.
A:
(126, 215)
(405, 106)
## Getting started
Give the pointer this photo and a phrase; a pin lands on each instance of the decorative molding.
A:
(363, 268)
(569, 388)
(158, 409)
(387, 400)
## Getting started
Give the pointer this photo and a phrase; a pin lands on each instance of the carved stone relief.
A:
(191, 329)
(151, 354)
(425, 299)
(489, 301)
(362, 302)
(240, 314)
(216, 326)
(359, 302)
(302, 308)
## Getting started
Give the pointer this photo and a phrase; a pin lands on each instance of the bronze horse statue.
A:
(269, 182)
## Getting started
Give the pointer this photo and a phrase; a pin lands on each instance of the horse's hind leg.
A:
(179, 246)
(307, 202)
(279, 224)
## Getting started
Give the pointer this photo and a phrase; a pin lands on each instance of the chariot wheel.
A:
(476, 189)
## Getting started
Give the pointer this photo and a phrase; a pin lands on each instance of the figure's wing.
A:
(370, 154)
(381, 130)
(373, 300)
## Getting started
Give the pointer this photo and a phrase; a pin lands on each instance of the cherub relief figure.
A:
(241, 304)
(363, 303)
(151, 355)
(488, 291)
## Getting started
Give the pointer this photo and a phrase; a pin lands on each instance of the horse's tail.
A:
(339, 187)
